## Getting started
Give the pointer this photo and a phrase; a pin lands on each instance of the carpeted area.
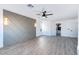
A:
(43, 45)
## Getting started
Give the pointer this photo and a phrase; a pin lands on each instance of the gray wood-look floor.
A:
(43, 45)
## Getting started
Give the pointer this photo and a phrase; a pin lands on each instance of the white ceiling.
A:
(60, 11)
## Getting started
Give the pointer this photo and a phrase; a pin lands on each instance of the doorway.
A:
(58, 29)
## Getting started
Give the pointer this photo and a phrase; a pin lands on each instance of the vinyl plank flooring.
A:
(43, 45)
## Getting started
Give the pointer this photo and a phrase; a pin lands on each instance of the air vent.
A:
(30, 5)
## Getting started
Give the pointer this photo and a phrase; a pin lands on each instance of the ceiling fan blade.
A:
(49, 14)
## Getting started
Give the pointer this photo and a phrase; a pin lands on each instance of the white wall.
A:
(44, 27)
(1, 28)
(48, 28)
(69, 27)
(78, 34)
(38, 27)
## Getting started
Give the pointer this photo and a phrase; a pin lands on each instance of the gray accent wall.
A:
(19, 28)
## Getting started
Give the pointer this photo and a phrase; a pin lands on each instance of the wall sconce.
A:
(35, 25)
(5, 21)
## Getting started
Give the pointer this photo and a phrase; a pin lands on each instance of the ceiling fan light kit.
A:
(44, 14)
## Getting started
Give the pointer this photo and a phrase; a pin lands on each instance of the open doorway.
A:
(58, 29)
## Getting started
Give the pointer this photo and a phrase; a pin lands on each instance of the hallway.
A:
(43, 45)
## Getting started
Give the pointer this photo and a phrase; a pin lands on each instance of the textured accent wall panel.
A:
(19, 28)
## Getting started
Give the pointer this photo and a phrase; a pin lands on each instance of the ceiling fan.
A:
(44, 14)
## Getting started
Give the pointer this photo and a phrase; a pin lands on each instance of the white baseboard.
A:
(77, 52)
(1, 46)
